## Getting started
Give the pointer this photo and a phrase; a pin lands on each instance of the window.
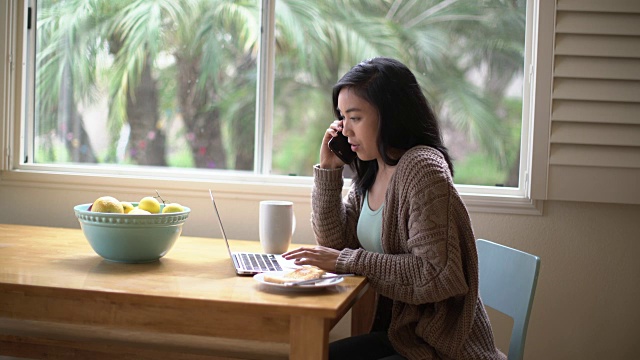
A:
(475, 85)
(195, 87)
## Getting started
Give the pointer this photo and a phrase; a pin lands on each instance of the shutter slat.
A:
(596, 156)
(608, 185)
(598, 45)
(597, 23)
(595, 134)
(597, 68)
(625, 6)
(597, 90)
(597, 112)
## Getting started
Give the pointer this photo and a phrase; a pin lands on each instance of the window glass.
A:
(173, 83)
(159, 83)
(468, 56)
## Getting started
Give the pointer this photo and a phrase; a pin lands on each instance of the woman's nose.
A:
(346, 128)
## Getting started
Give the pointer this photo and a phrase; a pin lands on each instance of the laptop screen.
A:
(224, 235)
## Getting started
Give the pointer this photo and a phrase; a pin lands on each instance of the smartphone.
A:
(341, 147)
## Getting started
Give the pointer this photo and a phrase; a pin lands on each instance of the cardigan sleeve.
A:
(333, 219)
(424, 225)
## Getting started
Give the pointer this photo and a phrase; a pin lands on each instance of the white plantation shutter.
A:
(594, 137)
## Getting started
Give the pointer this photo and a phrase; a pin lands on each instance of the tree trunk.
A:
(204, 131)
(514, 173)
(75, 137)
(147, 141)
(243, 129)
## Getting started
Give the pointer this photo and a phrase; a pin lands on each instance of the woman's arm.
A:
(333, 219)
(426, 235)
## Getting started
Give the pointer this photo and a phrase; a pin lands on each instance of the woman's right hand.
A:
(329, 160)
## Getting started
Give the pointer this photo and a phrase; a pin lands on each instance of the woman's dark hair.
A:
(406, 118)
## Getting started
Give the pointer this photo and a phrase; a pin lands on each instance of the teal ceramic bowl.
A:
(131, 238)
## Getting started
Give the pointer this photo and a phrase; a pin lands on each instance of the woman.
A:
(402, 224)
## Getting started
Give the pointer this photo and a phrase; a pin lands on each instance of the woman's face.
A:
(360, 124)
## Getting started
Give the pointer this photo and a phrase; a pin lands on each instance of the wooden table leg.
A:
(309, 338)
(362, 313)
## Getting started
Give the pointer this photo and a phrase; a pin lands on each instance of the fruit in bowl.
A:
(150, 204)
(126, 206)
(172, 208)
(137, 236)
(107, 204)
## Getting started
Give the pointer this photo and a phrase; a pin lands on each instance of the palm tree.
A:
(213, 90)
(323, 39)
(136, 35)
(216, 89)
(64, 78)
(73, 33)
(192, 32)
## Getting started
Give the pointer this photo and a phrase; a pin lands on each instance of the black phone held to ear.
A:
(341, 147)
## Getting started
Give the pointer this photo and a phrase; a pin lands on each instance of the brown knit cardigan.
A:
(430, 265)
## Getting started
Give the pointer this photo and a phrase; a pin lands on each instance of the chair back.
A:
(508, 279)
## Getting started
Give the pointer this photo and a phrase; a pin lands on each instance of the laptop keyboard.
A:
(260, 262)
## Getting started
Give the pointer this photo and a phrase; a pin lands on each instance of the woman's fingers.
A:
(291, 253)
(328, 160)
(297, 253)
(333, 130)
(336, 125)
(322, 257)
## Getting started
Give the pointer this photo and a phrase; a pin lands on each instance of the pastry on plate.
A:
(299, 274)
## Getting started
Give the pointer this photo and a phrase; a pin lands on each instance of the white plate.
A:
(309, 287)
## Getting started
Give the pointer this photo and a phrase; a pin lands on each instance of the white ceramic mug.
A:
(277, 224)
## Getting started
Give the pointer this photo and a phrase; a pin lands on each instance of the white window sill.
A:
(245, 185)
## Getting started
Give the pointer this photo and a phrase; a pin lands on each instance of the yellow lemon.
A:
(138, 211)
(107, 204)
(173, 207)
(149, 204)
(126, 206)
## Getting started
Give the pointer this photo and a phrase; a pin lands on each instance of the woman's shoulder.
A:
(422, 158)
(422, 168)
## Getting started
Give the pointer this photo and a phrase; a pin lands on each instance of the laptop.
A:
(252, 263)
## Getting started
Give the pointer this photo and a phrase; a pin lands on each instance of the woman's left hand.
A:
(323, 257)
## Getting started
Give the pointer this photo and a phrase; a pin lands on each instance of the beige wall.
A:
(586, 304)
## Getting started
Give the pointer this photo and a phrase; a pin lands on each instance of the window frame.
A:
(526, 199)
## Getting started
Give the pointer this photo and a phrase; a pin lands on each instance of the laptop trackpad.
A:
(286, 264)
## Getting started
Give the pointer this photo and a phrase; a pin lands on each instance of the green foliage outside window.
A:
(173, 82)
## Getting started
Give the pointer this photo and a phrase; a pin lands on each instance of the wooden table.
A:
(59, 299)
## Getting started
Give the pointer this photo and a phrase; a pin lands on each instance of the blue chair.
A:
(508, 279)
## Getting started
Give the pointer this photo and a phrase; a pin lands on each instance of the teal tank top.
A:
(370, 227)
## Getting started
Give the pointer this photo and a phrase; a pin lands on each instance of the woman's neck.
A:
(385, 171)
(378, 190)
